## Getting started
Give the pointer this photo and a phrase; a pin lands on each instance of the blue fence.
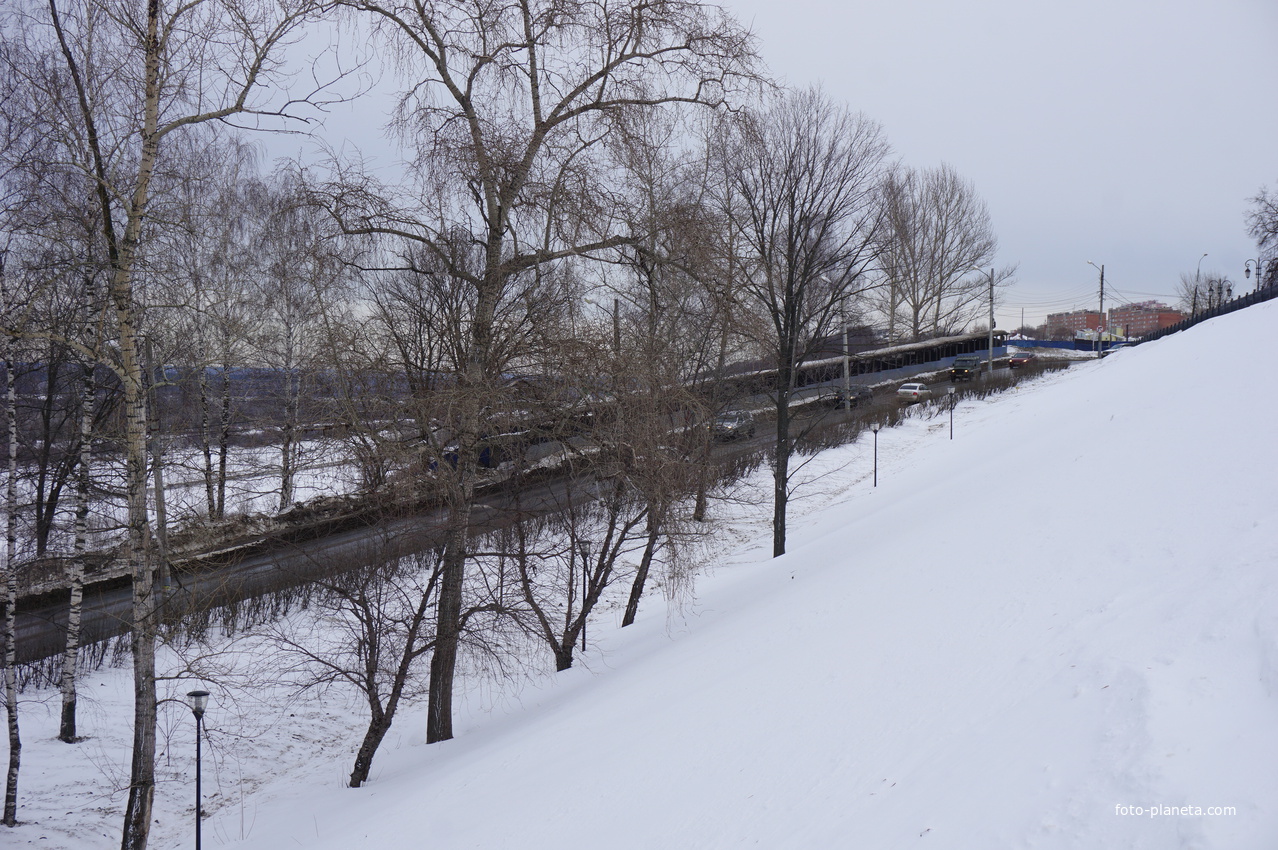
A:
(1041, 343)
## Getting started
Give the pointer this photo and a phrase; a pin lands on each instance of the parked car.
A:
(967, 367)
(732, 425)
(856, 395)
(910, 393)
(1021, 358)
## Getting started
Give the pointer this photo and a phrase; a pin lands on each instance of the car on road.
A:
(910, 393)
(967, 367)
(732, 425)
(1020, 358)
(856, 395)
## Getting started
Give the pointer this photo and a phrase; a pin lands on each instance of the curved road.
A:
(106, 611)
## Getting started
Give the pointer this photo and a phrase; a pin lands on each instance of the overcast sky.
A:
(1126, 132)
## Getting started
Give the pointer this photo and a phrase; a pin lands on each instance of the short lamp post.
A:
(875, 429)
(198, 700)
(950, 392)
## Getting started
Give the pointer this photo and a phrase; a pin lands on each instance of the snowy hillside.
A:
(1020, 638)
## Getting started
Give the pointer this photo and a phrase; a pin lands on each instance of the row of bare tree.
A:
(608, 200)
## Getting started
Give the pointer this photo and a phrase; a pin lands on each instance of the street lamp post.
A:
(616, 321)
(198, 700)
(585, 584)
(1198, 273)
(1247, 271)
(875, 429)
(950, 392)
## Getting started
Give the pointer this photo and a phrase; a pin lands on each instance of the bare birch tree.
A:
(60, 261)
(16, 137)
(134, 77)
(10, 571)
(298, 277)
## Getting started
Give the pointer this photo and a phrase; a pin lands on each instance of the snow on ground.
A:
(252, 487)
(253, 483)
(1026, 637)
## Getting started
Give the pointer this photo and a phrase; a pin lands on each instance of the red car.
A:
(1020, 359)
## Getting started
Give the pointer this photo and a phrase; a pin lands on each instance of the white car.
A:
(910, 393)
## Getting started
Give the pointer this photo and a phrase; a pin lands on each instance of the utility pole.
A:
(991, 360)
(616, 325)
(847, 378)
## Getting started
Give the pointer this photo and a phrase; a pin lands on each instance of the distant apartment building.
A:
(1130, 320)
(1065, 325)
(1137, 320)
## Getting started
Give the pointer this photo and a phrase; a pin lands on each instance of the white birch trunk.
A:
(75, 568)
(11, 593)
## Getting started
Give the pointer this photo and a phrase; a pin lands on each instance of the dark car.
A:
(732, 425)
(856, 395)
(967, 367)
(1020, 358)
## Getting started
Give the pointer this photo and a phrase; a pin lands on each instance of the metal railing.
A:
(1269, 292)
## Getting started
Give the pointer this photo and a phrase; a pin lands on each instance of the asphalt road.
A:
(106, 612)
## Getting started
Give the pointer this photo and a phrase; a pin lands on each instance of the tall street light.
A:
(198, 700)
(1100, 332)
(1198, 273)
(616, 320)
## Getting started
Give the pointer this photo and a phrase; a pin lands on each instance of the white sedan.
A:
(910, 393)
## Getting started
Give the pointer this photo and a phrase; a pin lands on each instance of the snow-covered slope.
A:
(1069, 609)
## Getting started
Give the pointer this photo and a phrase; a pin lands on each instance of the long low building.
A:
(889, 358)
